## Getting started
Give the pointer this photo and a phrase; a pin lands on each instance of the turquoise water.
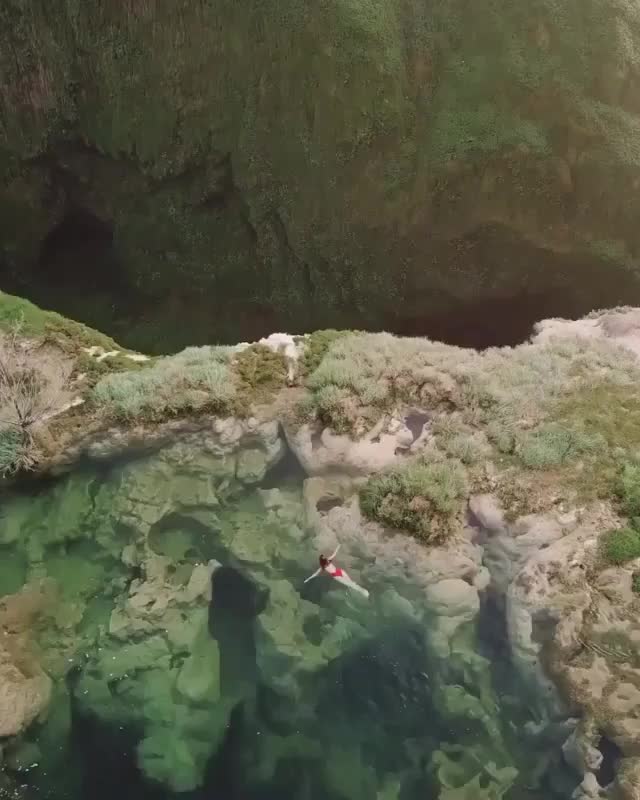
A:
(189, 660)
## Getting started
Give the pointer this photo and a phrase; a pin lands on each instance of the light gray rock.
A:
(321, 451)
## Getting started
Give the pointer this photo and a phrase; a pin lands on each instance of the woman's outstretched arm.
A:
(315, 575)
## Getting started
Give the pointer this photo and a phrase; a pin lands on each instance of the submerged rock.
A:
(25, 690)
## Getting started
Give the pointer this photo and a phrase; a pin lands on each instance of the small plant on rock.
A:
(32, 386)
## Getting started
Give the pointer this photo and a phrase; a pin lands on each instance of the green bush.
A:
(628, 489)
(554, 445)
(635, 582)
(620, 545)
(195, 379)
(423, 497)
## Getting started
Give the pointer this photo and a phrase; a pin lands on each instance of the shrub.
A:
(628, 489)
(620, 545)
(553, 445)
(196, 378)
(635, 582)
(260, 371)
(421, 497)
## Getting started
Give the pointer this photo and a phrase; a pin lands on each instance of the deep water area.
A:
(165, 597)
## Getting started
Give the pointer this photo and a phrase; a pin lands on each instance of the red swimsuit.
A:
(330, 568)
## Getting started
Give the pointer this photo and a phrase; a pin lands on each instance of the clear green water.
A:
(271, 689)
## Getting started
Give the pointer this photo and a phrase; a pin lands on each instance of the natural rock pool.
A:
(163, 594)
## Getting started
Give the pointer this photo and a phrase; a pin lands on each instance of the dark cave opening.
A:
(80, 274)
(79, 253)
(491, 321)
(611, 754)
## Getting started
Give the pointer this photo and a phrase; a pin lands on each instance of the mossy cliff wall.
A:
(355, 156)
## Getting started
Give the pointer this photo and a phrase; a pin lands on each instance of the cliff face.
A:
(353, 156)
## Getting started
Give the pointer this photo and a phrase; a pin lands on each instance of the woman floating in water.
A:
(327, 565)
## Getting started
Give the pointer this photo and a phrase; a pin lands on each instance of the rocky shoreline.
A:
(571, 621)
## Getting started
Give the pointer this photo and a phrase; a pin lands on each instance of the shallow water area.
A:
(165, 598)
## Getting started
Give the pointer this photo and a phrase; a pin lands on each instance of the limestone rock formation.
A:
(403, 169)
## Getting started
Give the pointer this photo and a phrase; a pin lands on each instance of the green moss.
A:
(620, 545)
(423, 497)
(49, 325)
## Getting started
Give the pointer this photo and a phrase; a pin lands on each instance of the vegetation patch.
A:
(635, 582)
(197, 379)
(458, 440)
(316, 346)
(34, 386)
(628, 489)
(219, 380)
(12, 451)
(362, 376)
(620, 546)
(48, 326)
(553, 445)
(260, 373)
(425, 497)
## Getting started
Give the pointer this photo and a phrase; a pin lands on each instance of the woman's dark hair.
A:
(323, 560)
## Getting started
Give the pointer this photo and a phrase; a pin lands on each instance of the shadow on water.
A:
(236, 601)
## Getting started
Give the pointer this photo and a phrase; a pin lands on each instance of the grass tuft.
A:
(620, 546)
